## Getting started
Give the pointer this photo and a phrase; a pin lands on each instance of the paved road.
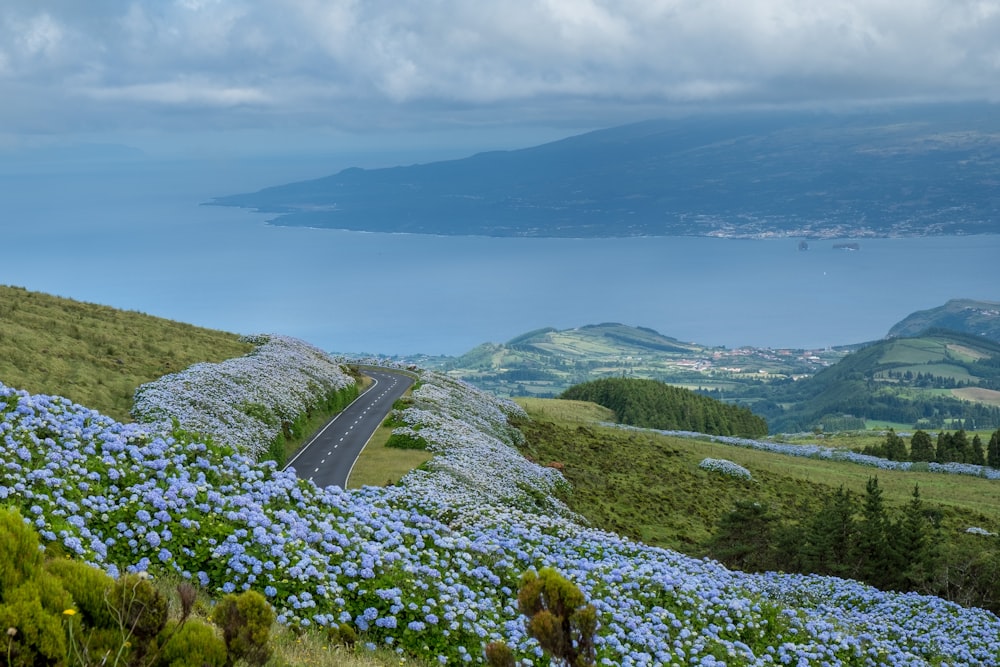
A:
(327, 459)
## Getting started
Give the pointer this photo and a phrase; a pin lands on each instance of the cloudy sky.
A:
(146, 70)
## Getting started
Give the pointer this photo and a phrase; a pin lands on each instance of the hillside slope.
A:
(752, 175)
(432, 565)
(97, 355)
(546, 362)
(913, 381)
(968, 316)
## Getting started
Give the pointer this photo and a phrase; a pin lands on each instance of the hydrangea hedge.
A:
(725, 467)
(430, 566)
(251, 401)
(829, 453)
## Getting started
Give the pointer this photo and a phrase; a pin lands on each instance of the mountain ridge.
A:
(919, 171)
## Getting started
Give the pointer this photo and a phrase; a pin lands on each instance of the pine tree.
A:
(978, 454)
(871, 546)
(960, 447)
(895, 447)
(993, 451)
(829, 535)
(922, 447)
(943, 452)
(743, 540)
(915, 545)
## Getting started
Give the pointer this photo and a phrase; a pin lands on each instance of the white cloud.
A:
(387, 62)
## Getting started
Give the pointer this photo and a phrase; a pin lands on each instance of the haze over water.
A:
(133, 235)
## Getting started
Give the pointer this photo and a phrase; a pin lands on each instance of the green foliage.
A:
(194, 644)
(90, 588)
(558, 617)
(39, 637)
(139, 610)
(993, 451)
(20, 558)
(921, 447)
(246, 621)
(342, 635)
(899, 380)
(96, 355)
(827, 537)
(405, 440)
(745, 537)
(32, 601)
(498, 654)
(652, 404)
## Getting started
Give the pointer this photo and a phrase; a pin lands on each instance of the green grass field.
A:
(649, 487)
(96, 355)
(379, 465)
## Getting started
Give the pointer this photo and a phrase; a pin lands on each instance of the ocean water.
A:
(134, 235)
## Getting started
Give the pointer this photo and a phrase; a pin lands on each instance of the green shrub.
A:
(89, 587)
(19, 554)
(32, 601)
(498, 654)
(194, 644)
(406, 440)
(558, 617)
(39, 637)
(139, 610)
(342, 635)
(246, 621)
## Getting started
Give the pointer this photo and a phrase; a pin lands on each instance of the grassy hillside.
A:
(653, 488)
(649, 487)
(546, 362)
(922, 382)
(653, 404)
(96, 355)
(978, 318)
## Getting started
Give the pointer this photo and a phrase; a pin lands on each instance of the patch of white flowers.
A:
(725, 467)
(242, 402)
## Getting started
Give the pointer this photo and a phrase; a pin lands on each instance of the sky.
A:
(241, 75)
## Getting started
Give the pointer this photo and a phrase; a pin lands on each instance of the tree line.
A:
(954, 447)
(652, 404)
(860, 538)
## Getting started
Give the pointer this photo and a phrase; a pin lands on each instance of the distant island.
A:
(917, 171)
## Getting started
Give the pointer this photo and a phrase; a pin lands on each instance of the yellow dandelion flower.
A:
(70, 612)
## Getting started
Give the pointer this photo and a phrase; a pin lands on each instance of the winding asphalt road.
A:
(328, 458)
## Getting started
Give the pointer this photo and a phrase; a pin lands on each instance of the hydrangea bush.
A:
(725, 467)
(245, 401)
(430, 566)
(829, 453)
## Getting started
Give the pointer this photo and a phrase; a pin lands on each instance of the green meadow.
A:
(649, 486)
(96, 355)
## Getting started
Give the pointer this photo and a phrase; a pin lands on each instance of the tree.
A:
(871, 547)
(829, 535)
(744, 537)
(895, 447)
(922, 447)
(960, 447)
(993, 451)
(978, 455)
(915, 546)
(558, 617)
(944, 451)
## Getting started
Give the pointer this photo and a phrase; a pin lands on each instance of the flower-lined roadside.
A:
(247, 401)
(430, 566)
